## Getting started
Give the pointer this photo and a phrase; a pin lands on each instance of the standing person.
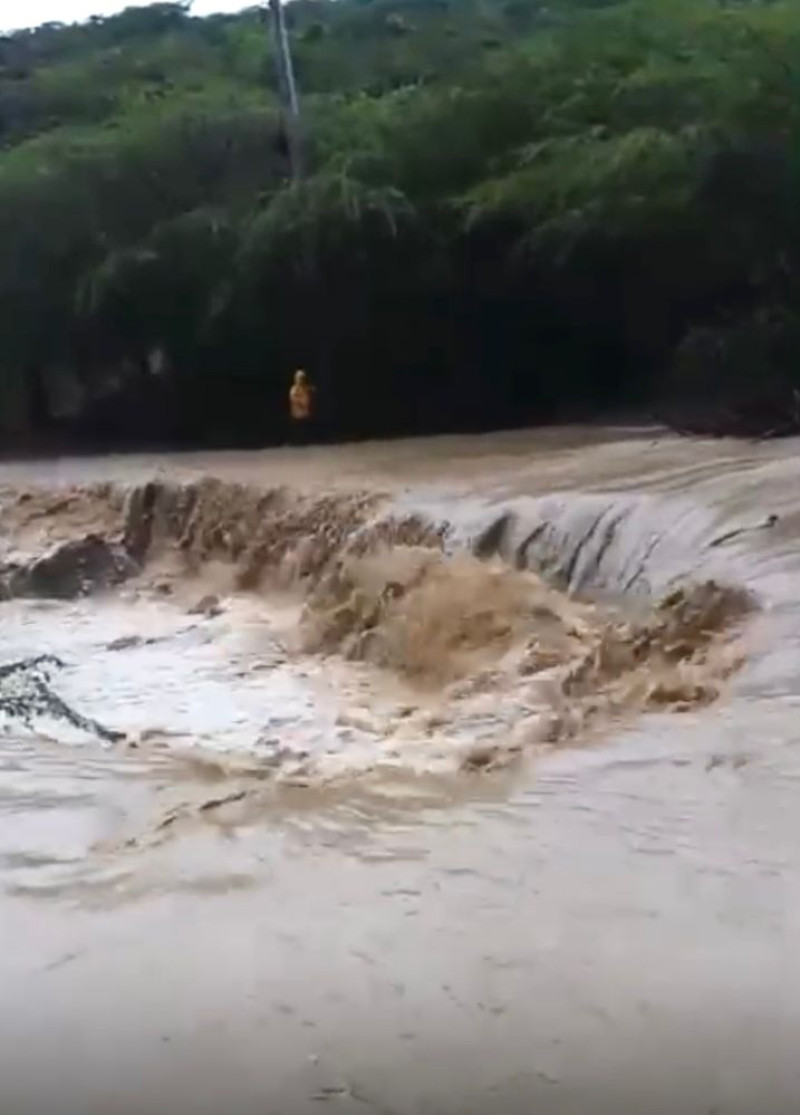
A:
(301, 407)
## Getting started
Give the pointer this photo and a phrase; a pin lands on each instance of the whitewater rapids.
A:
(484, 797)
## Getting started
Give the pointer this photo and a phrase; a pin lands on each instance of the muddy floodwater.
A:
(458, 776)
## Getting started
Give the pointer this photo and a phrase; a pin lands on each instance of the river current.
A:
(284, 892)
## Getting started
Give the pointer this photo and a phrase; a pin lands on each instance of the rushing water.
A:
(606, 928)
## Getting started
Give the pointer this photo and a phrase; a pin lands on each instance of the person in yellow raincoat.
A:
(301, 405)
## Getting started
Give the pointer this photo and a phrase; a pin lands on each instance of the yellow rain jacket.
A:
(300, 397)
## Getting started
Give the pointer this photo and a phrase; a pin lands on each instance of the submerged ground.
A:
(459, 820)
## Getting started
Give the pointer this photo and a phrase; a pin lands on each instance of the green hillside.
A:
(513, 211)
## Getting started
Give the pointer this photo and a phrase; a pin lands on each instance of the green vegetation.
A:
(514, 210)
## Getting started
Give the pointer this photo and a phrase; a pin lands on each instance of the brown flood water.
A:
(606, 927)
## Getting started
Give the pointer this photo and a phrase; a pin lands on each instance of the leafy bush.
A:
(510, 208)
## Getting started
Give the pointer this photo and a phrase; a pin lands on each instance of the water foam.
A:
(460, 635)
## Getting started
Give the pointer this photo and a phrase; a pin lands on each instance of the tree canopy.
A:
(512, 210)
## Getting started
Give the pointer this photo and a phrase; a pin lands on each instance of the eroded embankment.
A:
(472, 655)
